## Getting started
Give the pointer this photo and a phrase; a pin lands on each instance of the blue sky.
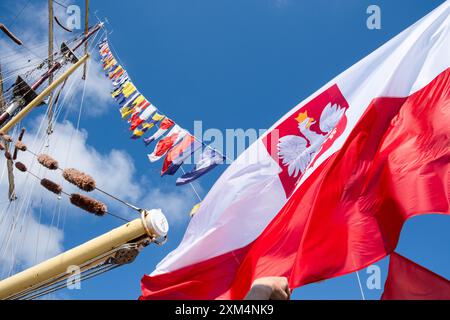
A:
(231, 64)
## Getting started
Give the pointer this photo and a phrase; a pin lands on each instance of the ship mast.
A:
(24, 94)
(50, 64)
(86, 30)
(110, 250)
(37, 100)
(2, 99)
(9, 162)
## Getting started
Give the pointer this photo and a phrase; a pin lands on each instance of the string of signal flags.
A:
(172, 142)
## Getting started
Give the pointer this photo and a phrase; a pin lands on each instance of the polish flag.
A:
(326, 190)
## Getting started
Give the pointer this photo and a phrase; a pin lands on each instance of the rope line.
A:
(192, 186)
(68, 194)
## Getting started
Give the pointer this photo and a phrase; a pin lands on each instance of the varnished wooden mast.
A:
(2, 99)
(9, 162)
(86, 30)
(50, 64)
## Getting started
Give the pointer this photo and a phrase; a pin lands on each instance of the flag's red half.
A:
(409, 281)
(349, 212)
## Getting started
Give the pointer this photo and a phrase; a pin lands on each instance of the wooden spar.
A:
(10, 167)
(50, 64)
(151, 225)
(9, 162)
(50, 38)
(36, 101)
(2, 99)
(68, 55)
(86, 30)
(10, 34)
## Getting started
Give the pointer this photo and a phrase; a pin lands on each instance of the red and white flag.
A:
(165, 125)
(165, 144)
(327, 189)
(141, 114)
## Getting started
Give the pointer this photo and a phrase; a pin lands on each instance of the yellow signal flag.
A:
(194, 209)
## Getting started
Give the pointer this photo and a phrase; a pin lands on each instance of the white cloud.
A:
(25, 241)
(176, 203)
(114, 171)
(97, 89)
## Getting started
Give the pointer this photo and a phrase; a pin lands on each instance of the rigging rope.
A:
(24, 205)
(13, 20)
(81, 201)
(21, 209)
(74, 178)
(360, 286)
(20, 216)
(116, 55)
(192, 186)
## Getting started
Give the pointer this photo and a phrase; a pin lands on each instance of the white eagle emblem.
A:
(293, 150)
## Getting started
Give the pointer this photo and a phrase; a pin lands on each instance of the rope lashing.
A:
(8, 155)
(20, 146)
(7, 138)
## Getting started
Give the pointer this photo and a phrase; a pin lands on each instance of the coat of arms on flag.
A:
(306, 134)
